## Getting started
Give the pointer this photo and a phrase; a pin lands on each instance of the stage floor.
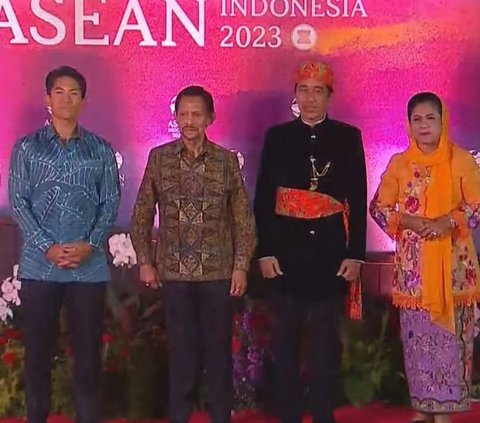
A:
(370, 414)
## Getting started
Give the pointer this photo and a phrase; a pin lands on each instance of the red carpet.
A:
(370, 414)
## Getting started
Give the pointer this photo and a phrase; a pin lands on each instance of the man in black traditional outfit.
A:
(310, 206)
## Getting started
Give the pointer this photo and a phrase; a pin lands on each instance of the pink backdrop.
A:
(244, 52)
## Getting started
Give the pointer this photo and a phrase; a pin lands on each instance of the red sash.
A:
(305, 204)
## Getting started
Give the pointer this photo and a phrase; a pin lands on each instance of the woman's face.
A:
(426, 126)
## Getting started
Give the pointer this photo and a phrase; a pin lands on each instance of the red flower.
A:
(10, 358)
(412, 204)
(69, 351)
(13, 334)
(107, 339)
(111, 368)
(471, 276)
(258, 321)
(3, 341)
(236, 345)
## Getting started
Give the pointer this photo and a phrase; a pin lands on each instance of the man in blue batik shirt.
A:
(64, 193)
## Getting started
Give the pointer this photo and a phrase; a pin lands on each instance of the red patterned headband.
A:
(318, 71)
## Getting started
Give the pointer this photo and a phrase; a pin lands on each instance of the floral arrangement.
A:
(11, 348)
(477, 322)
(134, 353)
(252, 357)
(122, 251)
(10, 297)
(476, 355)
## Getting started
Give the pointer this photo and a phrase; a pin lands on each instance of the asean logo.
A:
(476, 156)
(294, 108)
(119, 160)
(173, 128)
(304, 37)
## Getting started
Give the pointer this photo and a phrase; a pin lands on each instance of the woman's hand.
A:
(427, 228)
(439, 227)
(417, 224)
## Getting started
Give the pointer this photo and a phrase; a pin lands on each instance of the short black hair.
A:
(196, 91)
(62, 71)
(424, 97)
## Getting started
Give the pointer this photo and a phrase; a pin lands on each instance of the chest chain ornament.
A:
(315, 174)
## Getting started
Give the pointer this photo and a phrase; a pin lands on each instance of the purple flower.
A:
(412, 279)
(252, 355)
(246, 321)
(254, 373)
(381, 220)
(473, 221)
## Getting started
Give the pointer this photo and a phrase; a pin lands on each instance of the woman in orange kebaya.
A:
(428, 201)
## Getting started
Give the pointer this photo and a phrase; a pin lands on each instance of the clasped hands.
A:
(69, 256)
(426, 228)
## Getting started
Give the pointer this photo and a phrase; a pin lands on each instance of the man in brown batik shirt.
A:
(205, 244)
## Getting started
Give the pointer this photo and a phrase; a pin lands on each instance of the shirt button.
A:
(312, 232)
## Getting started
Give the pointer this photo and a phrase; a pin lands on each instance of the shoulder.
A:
(222, 153)
(218, 149)
(167, 148)
(100, 143)
(462, 159)
(398, 159)
(277, 137)
(397, 162)
(347, 138)
(348, 135)
(282, 128)
(461, 154)
(343, 127)
(31, 140)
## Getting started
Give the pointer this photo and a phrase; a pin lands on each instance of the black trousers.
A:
(291, 315)
(199, 331)
(41, 305)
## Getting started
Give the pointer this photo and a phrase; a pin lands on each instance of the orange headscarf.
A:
(436, 255)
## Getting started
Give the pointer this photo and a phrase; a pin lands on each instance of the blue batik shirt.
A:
(61, 193)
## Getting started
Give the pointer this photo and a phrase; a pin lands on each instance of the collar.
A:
(318, 122)
(52, 132)
(180, 147)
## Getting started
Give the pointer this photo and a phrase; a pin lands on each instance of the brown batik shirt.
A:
(206, 226)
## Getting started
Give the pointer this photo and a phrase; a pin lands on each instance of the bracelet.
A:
(453, 222)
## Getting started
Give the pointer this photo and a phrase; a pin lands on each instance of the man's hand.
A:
(56, 254)
(69, 256)
(270, 267)
(75, 253)
(149, 276)
(350, 270)
(239, 283)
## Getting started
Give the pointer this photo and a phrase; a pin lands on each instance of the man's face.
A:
(193, 117)
(313, 98)
(65, 99)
